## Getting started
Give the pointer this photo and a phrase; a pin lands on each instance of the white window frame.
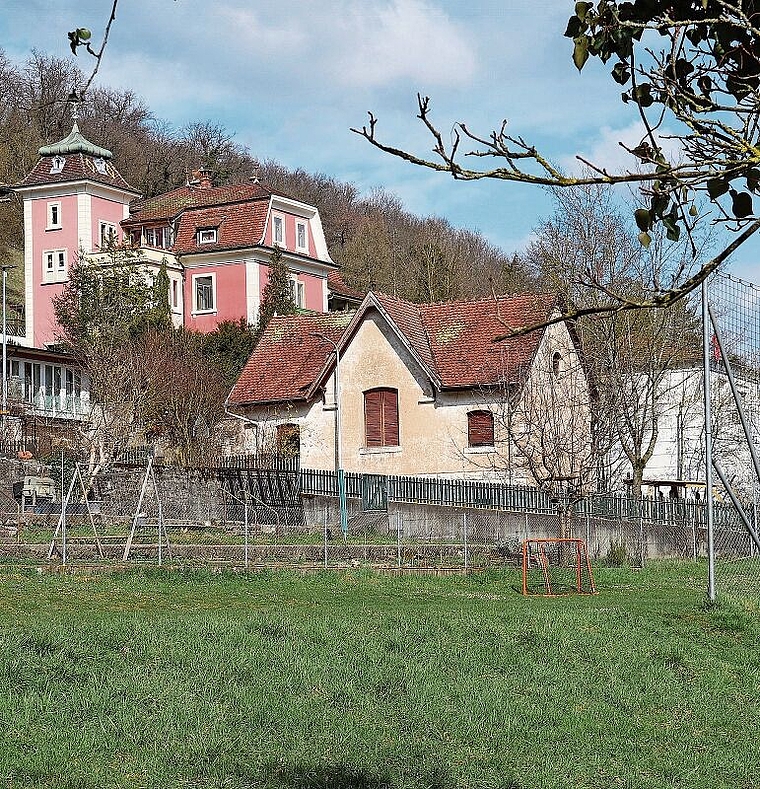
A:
(107, 229)
(195, 278)
(281, 241)
(55, 265)
(174, 294)
(57, 165)
(54, 216)
(302, 227)
(210, 239)
(300, 295)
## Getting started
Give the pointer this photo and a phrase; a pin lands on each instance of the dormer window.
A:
(53, 216)
(57, 164)
(278, 231)
(100, 165)
(207, 235)
(301, 244)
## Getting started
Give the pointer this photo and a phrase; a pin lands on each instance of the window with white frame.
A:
(299, 293)
(207, 235)
(301, 237)
(108, 234)
(57, 164)
(174, 294)
(204, 293)
(278, 230)
(53, 216)
(54, 267)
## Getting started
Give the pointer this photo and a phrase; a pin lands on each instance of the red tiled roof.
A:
(78, 167)
(237, 225)
(408, 318)
(337, 285)
(288, 358)
(461, 333)
(454, 341)
(168, 205)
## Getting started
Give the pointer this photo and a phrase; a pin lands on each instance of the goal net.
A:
(553, 567)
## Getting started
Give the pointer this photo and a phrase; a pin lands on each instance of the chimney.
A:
(201, 178)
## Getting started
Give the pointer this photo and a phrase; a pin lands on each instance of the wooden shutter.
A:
(390, 418)
(373, 418)
(381, 418)
(480, 429)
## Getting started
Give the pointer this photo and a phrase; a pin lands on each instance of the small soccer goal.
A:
(554, 567)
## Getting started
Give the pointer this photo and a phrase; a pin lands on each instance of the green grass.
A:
(169, 679)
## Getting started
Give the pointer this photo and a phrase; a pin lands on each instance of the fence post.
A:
(464, 520)
(588, 528)
(325, 534)
(398, 538)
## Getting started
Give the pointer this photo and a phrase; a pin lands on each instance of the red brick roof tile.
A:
(337, 285)
(168, 205)
(288, 358)
(454, 341)
(78, 167)
(461, 338)
(237, 225)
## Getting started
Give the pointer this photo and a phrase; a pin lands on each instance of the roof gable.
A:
(288, 358)
(452, 342)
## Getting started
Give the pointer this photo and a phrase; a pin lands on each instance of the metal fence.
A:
(241, 515)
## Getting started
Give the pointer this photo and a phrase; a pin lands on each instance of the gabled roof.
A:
(453, 343)
(288, 358)
(168, 205)
(461, 334)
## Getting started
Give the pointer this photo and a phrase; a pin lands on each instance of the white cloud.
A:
(401, 40)
(607, 152)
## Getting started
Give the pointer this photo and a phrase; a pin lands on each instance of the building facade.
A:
(422, 390)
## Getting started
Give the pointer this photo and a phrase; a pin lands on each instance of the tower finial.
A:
(75, 99)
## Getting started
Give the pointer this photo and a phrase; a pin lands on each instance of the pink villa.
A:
(216, 243)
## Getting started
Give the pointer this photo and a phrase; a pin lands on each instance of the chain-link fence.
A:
(152, 514)
(734, 311)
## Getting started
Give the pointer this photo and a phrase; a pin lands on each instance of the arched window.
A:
(556, 362)
(480, 429)
(288, 440)
(381, 417)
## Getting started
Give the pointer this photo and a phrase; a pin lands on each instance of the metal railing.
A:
(63, 406)
(517, 498)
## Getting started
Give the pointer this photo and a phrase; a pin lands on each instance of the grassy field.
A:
(169, 679)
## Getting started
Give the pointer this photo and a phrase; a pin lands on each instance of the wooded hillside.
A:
(374, 238)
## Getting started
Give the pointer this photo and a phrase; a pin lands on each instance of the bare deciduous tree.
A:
(690, 71)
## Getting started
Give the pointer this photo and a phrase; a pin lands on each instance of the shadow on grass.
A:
(344, 776)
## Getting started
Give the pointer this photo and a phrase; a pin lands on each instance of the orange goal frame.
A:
(581, 563)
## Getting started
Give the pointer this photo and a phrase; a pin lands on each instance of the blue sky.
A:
(290, 79)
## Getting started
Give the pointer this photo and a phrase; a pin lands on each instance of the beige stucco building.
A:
(423, 390)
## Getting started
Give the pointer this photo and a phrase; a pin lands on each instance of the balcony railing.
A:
(14, 327)
(61, 406)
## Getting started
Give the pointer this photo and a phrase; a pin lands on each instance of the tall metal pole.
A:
(706, 348)
(338, 435)
(245, 515)
(5, 351)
